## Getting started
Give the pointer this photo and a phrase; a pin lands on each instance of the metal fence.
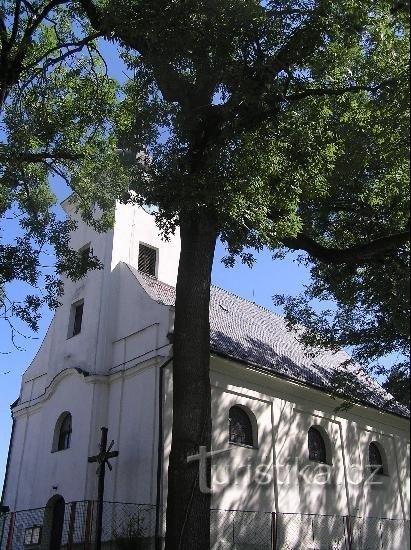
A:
(142, 527)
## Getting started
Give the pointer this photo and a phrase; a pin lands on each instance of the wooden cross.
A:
(102, 458)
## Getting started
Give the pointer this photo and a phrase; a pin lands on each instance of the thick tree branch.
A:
(3, 32)
(172, 85)
(41, 156)
(15, 23)
(354, 254)
(93, 14)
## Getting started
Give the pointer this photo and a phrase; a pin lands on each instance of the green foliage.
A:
(272, 119)
(276, 119)
(56, 104)
(398, 383)
(364, 197)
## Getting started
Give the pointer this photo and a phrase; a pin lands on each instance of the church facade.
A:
(279, 446)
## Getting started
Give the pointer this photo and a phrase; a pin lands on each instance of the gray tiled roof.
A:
(252, 334)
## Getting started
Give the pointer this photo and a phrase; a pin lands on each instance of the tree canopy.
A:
(276, 123)
(266, 123)
(293, 118)
(56, 106)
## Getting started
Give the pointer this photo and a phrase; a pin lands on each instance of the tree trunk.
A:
(188, 509)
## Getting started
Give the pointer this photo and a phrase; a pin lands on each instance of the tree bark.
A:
(188, 509)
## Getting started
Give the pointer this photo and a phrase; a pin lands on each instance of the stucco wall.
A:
(246, 478)
(110, 310)
(34, 469)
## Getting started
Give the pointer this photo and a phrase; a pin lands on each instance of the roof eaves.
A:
(282, 376)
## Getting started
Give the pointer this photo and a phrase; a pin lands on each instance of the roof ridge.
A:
(249, 301)
(229, 292)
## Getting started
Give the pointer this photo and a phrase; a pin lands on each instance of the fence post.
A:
(89, 526)
(72, 521)
(274, 530)
(9, 545)
(348, 533)
(381, 530)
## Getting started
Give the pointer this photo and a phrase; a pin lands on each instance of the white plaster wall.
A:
(108, 305)
(284, 412)
(132, 226)
(141, 326)
(133, 414)
(242, 467)
(34, 468)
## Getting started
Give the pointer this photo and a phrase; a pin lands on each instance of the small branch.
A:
(15, 23)
(30, 29)
(310, 92)
(355, 254)
(78, 47)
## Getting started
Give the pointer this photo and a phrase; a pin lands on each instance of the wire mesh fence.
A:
(379, 533)
(240, 530)
(310, 531)
(128, 526)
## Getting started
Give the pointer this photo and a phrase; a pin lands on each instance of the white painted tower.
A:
(105, 330)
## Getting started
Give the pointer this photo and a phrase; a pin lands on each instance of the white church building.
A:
(320, 478)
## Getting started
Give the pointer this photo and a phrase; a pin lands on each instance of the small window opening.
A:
(147, 259)
(375, 459)
(240, 427)
(64, 433)
(76, 318)
(316, 446)
(32, 535)
(85, 253)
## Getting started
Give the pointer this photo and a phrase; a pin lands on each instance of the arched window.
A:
(240, 427)
(62, 435)
(316, 446)
(375, 459)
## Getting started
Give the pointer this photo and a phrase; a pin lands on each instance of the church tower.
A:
(106, 328)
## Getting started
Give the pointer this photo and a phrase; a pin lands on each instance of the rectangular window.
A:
(147, 259)
(76, 318)
(32, 535)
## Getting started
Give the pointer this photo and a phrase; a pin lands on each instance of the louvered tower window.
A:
(316, 446)
(240, 427)
(147, 259)
(375, 459)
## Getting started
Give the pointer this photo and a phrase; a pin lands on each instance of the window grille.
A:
(64, 433)
(375, 459)
(147, 259)
(240, 427)
(316, 446)
(78, 318)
